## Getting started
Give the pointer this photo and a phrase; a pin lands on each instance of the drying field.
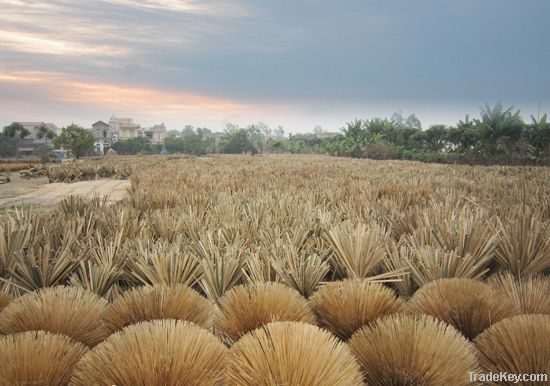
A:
(294, 270)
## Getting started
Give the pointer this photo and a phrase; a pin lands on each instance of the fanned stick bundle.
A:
(38, 358)
(342, 307)
(71, 311)
(531, 293)
(413, 350)
(291, 353)
(158, 302)
(468, 305)
(518, 345)
(161, 352)
(245, 308)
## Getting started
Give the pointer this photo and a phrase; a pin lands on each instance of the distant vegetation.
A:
(498, 136)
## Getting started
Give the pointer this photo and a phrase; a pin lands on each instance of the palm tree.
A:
(500, 125)
(537, 134)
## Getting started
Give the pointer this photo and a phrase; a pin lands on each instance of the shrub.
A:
(291, 353)
(38, 358)
(409, 350)
(468, 305)
(157, 302)
(517, 345)
(161, 352)
(247, 307)
(343, 307)
(66, 310)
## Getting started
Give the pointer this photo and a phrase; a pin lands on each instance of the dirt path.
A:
(52, 193)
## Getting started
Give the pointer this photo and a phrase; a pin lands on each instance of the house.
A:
(104, 136)
(126, 128)
(28, 144)
(156, 134)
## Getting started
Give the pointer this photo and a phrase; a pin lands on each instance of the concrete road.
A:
(52, 193)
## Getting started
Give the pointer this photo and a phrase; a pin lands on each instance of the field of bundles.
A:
(290, 270)
(120, 169)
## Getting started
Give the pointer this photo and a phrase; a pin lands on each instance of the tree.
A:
(537, 135)
(16, 130)
(499, 126)
(8, 146)
(139, 145)
(414, 122)
(317, 130)
(279, 132)
(188, 129)
(45, 132)
(437, 137)
(236, 141)
(355, 138)
(79, 140)
(193, 143)
(256, 137)
(397, 119)
(173, 134)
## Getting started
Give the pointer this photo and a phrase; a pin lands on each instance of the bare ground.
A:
(39, 192)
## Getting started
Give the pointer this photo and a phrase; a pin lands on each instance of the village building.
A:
(126, 128)
(28, 145)
(104, 136)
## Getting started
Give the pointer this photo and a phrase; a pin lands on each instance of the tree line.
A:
(499, 135)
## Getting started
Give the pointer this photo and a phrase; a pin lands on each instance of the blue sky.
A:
(292, 63)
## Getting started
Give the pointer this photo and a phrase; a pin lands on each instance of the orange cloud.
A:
(120, 97)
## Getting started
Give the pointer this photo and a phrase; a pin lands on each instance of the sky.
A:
(294, 63)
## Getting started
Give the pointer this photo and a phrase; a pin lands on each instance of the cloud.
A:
(44, 44)
(57, 88)
(185, 6)
(237, 57)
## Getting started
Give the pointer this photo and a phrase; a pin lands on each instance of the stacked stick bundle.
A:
(274, 270)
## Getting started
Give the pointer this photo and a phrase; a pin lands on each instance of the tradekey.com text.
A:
(504, 376)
